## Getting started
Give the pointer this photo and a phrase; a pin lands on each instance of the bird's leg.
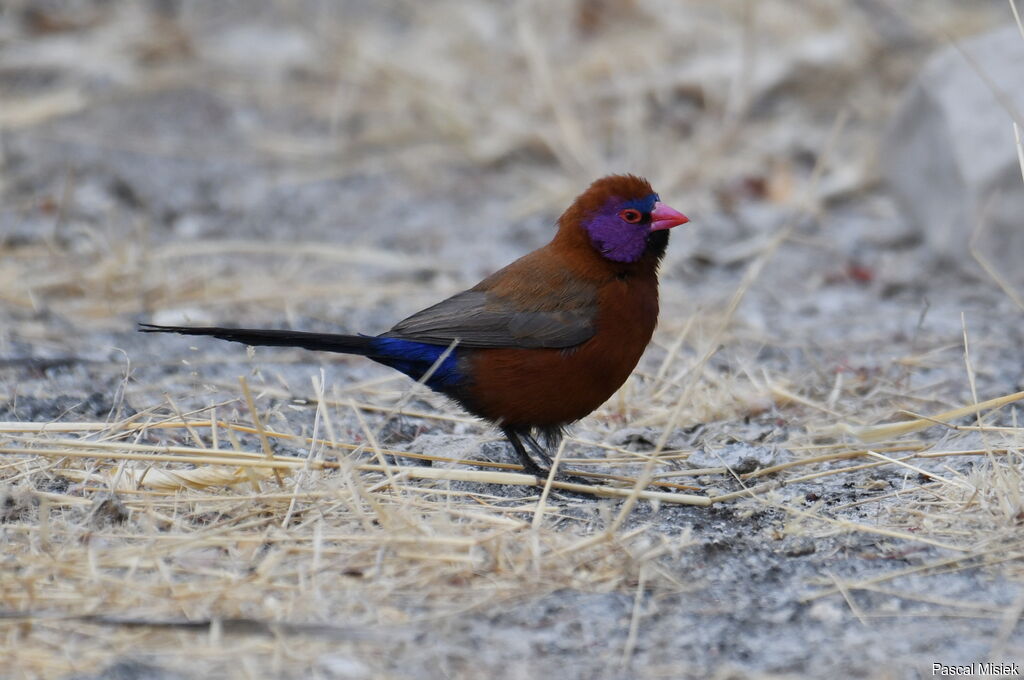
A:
(562, 474)
(529, 466)
(537, 449)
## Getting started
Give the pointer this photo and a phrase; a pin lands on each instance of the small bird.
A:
(536, 345)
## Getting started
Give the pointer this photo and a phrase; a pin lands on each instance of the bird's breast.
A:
(552, 387)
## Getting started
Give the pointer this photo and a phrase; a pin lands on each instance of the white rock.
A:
(949, 157)
(250, 46)
(341, 666)
(182, 316)
(741, 457)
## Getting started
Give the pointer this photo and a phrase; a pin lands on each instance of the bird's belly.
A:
(539, 387)
(554, 387)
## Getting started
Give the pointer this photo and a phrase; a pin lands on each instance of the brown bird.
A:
(544, 341)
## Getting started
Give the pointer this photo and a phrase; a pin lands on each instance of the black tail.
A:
(325, 342)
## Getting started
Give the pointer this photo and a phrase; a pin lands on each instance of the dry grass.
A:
(177, 524)
(255, 545)
(172, 536)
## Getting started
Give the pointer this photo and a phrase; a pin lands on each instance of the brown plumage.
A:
(542, 342)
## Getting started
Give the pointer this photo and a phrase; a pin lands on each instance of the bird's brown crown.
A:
(623, 187)
(601, 202)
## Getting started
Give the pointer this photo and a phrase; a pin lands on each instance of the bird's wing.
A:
(533, 302)
(481, 319)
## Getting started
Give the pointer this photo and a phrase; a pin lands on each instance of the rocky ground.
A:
(321, 166)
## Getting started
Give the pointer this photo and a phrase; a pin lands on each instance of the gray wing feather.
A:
(480, 319)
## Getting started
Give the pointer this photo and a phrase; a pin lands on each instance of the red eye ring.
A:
(630, 215)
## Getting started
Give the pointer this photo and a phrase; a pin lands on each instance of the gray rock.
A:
(636, 438)
(949, 157)
(741, 457)
(133, 669)
(338, 665)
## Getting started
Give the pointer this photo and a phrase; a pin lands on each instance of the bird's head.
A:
(622, 218)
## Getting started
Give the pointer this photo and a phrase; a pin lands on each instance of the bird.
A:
(542, 342)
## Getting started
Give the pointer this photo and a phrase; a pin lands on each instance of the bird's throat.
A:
(657, 243)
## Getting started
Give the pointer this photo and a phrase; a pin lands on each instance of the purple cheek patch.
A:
(616, 239)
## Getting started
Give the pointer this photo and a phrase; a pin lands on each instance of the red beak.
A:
(664, 217)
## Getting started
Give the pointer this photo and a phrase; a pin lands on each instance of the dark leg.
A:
(551, 439)
(537, 449)
(516, 437)
(529, 466)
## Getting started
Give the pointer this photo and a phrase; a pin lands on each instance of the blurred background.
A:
(179, 154)
(332, 165)
(306, 161)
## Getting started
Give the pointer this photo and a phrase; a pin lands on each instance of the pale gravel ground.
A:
(174, 159)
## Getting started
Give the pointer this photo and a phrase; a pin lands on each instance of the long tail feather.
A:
(325, 342)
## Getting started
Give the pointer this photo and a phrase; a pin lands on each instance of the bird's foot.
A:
(568, 477)
(530, 467)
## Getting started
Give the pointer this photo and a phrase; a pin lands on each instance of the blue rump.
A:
(415, 358)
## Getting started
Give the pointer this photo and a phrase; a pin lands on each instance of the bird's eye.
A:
(631, 216)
